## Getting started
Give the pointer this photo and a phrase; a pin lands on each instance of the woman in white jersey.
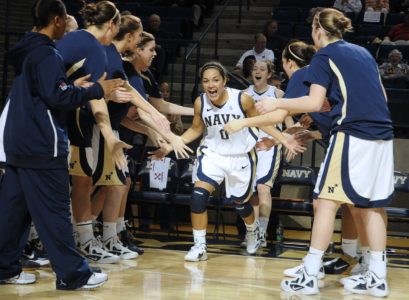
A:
(268, 160)
(224, 157)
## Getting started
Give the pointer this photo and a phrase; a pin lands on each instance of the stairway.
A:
(234, 39)
(20, 21)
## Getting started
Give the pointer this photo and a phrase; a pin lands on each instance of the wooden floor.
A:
(162, 274)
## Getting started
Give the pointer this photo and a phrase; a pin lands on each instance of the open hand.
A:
(83, 81)
(121, 95)
(265, 106)
(110, 85)
(233, 126)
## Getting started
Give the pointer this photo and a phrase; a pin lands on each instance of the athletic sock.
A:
(120, 224)
(263, 223)
(199, 236)
(313, 261)
(366, 255)
(252, 227)
(85, 232)
(350, 247)
(109, 231)
(377, 263)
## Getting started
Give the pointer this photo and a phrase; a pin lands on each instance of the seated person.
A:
(259, 51)
(347, 6)
(399, 34)
(394, 68)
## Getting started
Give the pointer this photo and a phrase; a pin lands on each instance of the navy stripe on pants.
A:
(43, 194)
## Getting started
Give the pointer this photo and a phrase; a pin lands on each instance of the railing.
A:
(7, 35)
(197, 46)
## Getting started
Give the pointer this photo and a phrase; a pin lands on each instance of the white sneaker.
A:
(253, 239)
(303, 284)
(22, 278)
(114, 246)
(95, 252)
(197, 253)
(298, 270)
(95, 281)
(369, 284)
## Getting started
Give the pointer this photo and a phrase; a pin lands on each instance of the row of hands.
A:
(296, 137)
(114, 90)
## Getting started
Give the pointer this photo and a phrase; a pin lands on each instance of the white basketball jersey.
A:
(214, 119)
(271, 93)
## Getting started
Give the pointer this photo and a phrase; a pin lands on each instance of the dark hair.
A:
(44, 10)
(146, 37)
(300, 52)
(245, 69)
(214, 65)
(99, 13)
(129, 24)
(266, 25)
(333, 22)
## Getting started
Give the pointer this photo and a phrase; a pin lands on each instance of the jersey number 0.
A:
(224, 135)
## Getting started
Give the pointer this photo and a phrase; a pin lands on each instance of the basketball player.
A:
(361, 141)
(268, 161)
(224, 157)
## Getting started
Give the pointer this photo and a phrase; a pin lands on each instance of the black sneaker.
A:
(128, 240)
(34, 255)
(340, 265)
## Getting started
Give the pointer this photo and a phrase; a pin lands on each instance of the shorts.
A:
(268, 164)
(105, 173)
(357, 171)
(81, 161)
(238, 171)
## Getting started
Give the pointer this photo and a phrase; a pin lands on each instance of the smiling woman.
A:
(223, 156)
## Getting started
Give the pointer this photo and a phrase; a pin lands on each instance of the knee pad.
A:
(244, 209)
(198, 200)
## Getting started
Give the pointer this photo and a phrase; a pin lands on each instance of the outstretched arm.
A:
(140, 102)
(311, 103)
(167, 107)
(194, 132)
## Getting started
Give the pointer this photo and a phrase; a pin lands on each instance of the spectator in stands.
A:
(72, 24)
(259, 51)
(399, 34)
(377, 5)
(346, 6)
(275, 41)
(159, 64)
(394, 68)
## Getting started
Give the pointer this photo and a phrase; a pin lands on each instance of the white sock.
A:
(199, 236)
(252, 227)
(120, 224)
(109, 231)
(313, 261)
(350, 247)
(263, 223)
(366, 254)
(377, 263)
(85, 232)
